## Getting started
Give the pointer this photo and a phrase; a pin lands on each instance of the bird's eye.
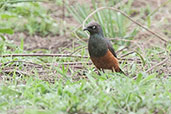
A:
(93, 27)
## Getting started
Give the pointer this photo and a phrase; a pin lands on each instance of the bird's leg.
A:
(103, 70)
(99, 69)
(99, 73)
(113, 69)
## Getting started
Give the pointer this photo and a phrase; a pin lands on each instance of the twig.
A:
(52, 55)
(132, 41)
(22, 62)
(19, 1)
(158, 64)
(127, 54)
(117, 10)
(66, 63)
(17, 71)
(43, 55)
(120, 50)
(78, 49)
(69, 63)
(119, 39)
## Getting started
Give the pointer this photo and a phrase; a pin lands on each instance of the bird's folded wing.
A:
(110, 47)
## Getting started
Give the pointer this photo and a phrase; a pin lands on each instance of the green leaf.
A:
(148, 21)
(2, 37)
(142, 59)
(6, 16)
(6, 31)
(148, 78)
(139, 78)
(22, 44)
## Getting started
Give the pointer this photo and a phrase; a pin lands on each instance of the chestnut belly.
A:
(108, 61)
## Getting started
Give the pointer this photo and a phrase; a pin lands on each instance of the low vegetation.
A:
(65, 81)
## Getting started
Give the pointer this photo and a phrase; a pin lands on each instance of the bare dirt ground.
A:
(52, 43)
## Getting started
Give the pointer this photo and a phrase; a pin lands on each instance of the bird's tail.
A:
(121, 71)
(118, 70)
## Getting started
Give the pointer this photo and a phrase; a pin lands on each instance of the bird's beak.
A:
(85, 29)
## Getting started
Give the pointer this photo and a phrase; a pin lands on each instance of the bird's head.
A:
(94, 28)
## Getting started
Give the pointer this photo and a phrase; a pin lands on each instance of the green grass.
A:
(30, 17)
(34, 93)
(146, 94)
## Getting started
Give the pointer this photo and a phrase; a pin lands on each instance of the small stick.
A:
(22, 62)
(19, 1)
(119, 39)
(70, 63)
(52, 55)
(17, 71)
(43, 55)
(158, 64)
(127, 54)
(78, 49)
(121, 49)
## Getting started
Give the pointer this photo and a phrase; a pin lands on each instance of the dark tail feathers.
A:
(121, 71)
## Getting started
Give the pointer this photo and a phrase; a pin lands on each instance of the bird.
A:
(100, 49)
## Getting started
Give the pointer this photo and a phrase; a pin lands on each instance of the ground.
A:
(58, 43)
(148, 66)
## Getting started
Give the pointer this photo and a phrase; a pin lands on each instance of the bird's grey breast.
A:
(97, 47)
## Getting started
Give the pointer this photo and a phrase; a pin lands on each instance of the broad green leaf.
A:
(6, 31)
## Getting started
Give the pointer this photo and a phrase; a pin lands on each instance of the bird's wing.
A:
(110, 47)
